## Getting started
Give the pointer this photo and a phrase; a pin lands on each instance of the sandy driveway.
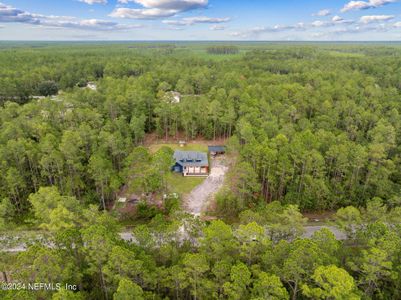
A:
(196, 202)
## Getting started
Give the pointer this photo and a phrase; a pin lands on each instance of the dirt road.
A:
(196, 202)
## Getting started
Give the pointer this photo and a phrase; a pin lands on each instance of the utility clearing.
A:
(197, 201)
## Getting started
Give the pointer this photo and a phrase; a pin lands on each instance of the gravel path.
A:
(196, 202)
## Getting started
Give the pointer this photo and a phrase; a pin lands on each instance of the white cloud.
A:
(217, 27)
(195, 20)
(90, 2)
(9, 14)
(318, 34)
(174, 28)
(360, 29)
(181, 5)
(320, 24)
(255, 31)
(397, 24)
(155, 9)
(143, 14)
(91, 24)
(358, 5)
(236, 34)
(376, 18)
(336, 20)
(300, 26)
(322, 13)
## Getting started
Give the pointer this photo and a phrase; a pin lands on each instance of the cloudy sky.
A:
(297, 20)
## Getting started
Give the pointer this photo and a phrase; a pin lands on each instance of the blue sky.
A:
(295, 20)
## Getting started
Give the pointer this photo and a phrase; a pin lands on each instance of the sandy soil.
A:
(196, 202)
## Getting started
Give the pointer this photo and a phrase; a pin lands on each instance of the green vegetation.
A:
(182, 185)
(312, 127)
(180, 257)
(223, 50)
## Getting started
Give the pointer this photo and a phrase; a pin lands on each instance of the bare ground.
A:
(154, 139)
(196, 202)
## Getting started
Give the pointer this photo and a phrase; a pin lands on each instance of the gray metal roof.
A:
(217, 149)
(191, 158)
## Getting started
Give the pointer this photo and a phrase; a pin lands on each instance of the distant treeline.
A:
(223, 50)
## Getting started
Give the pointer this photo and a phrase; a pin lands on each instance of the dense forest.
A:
(311, 127)
(223, 50)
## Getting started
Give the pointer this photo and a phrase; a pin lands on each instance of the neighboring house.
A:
(173, 97)
(191, 163)
(92, 86)
(217, 150)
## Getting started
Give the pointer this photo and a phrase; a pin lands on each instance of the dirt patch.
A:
(154, 139)
(126, 201)
(196, 202)
(324, 216)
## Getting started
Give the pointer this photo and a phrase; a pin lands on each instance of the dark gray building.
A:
(191, 163)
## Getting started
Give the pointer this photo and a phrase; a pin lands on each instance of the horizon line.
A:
(207, 41)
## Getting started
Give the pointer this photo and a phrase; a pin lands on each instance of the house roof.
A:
(191, 158)
(217, 149)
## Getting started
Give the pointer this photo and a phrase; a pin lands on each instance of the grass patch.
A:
(183, 185)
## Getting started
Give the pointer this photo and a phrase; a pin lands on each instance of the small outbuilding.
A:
(92, 86)
(172, 97)
(217, 150)
(191, 163)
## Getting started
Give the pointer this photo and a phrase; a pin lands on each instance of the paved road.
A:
(310, 230)
(129, 237)
(196, 202)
